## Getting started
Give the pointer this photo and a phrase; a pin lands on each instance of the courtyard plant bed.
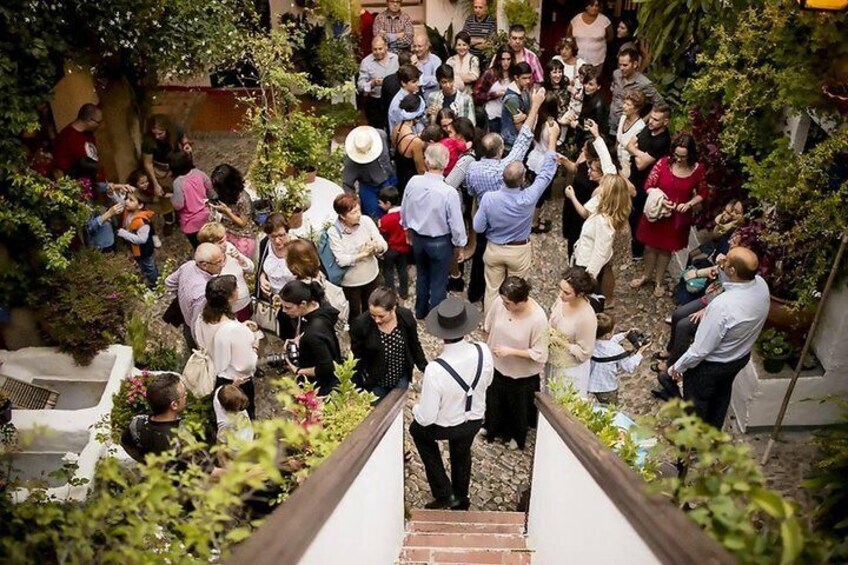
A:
(775, 348)
(719, 485)
(152, 512)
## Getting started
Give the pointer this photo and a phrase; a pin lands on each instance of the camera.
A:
(293, 353)
(636, 338)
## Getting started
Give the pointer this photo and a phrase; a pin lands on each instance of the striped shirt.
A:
(479, 29)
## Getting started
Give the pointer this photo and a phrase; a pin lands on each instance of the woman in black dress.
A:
(409, 148)
(587, 174)
(385, 341)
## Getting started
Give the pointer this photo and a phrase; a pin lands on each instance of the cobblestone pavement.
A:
(500, 475)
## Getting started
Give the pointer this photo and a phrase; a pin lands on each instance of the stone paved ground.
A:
(500, 475)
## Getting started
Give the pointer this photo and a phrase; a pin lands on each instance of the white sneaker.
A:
(512, 445)
(157, 243)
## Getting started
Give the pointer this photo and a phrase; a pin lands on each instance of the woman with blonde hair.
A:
(606, 213)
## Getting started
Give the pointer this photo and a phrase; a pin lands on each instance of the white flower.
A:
(71, 458)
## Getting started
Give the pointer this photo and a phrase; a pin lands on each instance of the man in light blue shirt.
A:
(372, 70)
(432, 212)
(409, 76)
(725, 337)
(427, 63)
(504, 216)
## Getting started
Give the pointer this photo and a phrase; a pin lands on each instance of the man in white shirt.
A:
(726, 334)
(452, 402)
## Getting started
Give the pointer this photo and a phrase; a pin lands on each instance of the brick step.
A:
(468, 516)
(465, 527)
(433, 556)
(463, 540)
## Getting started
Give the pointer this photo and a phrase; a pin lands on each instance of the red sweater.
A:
(393, 232)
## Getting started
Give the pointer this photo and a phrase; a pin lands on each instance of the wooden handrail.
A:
(671, 536)
(289, 531)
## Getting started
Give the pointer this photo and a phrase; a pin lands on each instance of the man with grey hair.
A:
(504, 216)
(432, 212)
(372, 70)
(486, 175)
(190, 283)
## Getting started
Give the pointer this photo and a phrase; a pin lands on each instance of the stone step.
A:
(463, 540)
(432, 556)
(465, 527)
(468, 516)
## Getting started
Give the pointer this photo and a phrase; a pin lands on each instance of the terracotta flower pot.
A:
(794, 322)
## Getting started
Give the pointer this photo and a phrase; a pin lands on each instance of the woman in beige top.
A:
(355, 242)
(573, 327)
(518, 338)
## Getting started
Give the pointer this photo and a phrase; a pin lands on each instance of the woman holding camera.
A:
(315, 347)
(385, 341)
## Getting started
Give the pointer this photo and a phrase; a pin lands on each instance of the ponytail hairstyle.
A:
(297, 291)
(218, 292)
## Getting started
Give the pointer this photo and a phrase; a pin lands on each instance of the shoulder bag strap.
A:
(259, 265)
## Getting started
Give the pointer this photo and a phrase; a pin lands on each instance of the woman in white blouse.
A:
(356, 242)
(231, 344)
(274, 272)
(629, 126)
(465, 65)
(606, 212)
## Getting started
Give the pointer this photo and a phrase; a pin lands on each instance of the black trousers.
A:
(709, 386)
(509, 405)
(682, 330)
(357, 296)
(477, 281)
(374, 113)
(247, 388)
(459, 440)
(637, 248)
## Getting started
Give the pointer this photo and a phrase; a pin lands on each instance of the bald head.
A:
(209, 257)
(513, 174)
(492, 146)
(744, 262)
(379, 48)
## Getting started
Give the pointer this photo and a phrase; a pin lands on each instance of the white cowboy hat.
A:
(363, 145)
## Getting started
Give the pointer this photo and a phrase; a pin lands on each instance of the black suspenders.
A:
(469, 390)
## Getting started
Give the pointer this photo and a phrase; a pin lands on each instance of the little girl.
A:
(230, 405)
(192, 190)
(137, 229)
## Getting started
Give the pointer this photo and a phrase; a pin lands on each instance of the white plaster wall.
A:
(829, 342)
(570, 515)
(441, 14)
(114, 364)
(367, 526)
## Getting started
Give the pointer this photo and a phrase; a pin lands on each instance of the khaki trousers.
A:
(501, 261)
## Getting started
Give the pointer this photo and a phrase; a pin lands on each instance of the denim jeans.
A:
(148, 270)
(433, 257)
(394, 261)
(381, 391)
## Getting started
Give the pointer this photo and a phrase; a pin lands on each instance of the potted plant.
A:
(775, 348)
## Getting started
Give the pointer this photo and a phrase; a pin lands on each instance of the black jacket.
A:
(319, 346)
(368, 349)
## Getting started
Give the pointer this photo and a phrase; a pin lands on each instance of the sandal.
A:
(638, 282)
(660, 356)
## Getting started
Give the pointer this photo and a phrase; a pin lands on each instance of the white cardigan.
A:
(593, 249)
(345, 246)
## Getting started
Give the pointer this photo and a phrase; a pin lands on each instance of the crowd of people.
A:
(454, 172)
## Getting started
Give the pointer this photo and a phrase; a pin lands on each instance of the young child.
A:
(192, 191)
(456, 148)
(99, 231)
(395, 258)
(144, 190)
(230, 405)
(609, 359)
(137, 229)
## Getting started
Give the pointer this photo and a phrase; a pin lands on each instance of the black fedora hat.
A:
(453, 318)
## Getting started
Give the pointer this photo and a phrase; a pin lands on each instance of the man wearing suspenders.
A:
(452, 402)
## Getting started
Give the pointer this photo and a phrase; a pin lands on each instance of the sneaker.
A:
(157, 243)
(512, 445)
(667, 319)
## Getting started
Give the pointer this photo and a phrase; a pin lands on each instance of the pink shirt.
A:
(189, 199)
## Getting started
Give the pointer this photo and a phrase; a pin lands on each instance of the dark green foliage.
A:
(85, 307)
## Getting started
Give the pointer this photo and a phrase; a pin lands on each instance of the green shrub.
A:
(85, 307)
(336, 59)
(520, 12)
(774, 344)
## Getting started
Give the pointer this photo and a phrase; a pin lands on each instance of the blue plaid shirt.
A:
(486, 175)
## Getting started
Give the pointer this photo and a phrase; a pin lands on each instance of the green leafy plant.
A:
(337, 60)
(828, 481)
(775, 344)
(722, 488)
(521, 12)
(600, 421)
(85, 307)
